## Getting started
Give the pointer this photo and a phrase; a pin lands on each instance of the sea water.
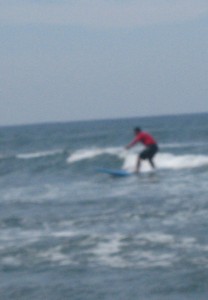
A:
(68, 232)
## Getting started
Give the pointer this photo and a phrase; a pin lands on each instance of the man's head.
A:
(137, 130)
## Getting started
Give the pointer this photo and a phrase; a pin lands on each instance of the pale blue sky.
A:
(87, 59)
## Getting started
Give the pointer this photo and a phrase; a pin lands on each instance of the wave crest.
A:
(162, 160)
(38, 154)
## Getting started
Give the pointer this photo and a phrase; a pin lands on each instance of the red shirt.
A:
(144, 138)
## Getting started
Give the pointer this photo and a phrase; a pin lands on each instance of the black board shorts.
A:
(149, 152)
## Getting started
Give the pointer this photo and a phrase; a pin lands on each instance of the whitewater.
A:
(163, 161)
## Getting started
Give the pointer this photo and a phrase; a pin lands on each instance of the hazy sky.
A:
(89, 59)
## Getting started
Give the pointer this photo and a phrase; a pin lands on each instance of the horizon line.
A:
(53, 122)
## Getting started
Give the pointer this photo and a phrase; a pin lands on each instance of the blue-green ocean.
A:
(69, 232)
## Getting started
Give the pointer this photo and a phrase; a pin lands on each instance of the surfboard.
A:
(114, 172)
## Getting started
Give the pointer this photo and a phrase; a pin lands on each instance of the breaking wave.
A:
(162, 160)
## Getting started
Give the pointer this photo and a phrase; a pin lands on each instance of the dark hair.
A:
(137, 129)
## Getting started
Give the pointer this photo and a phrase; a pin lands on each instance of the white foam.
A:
(157, 237)
(83, 154)
(115, 250)
(55, 255)
(162, 160)
(19, 237)
(52, 254)
(107, 252)
(63, 234)
(30, 194)
(151, 259)
(111, 251)
(168, 161)
(38, 154)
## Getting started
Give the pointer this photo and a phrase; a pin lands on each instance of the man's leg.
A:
(138, 164)
(152, 163)
(153, 150)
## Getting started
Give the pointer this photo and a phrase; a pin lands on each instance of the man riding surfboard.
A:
(151, 147)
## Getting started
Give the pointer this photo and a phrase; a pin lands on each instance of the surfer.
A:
(151, 147)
